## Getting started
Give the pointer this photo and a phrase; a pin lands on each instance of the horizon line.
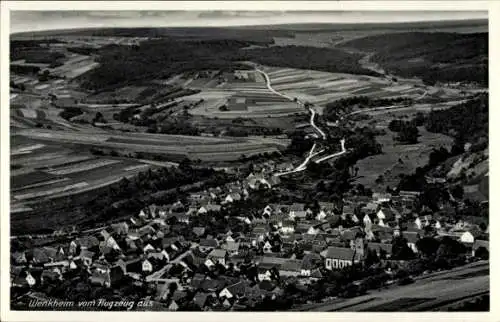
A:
(482, 20)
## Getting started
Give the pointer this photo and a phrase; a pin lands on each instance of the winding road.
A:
(311, 153)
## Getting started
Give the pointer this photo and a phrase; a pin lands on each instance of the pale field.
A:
(82, 166)
(26, 149)
(48, 192)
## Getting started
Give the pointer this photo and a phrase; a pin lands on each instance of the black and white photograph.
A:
(248, 160)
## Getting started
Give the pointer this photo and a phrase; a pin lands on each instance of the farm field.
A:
(176, 146)
(244, 94)
(75, 66)
(45, 170)
(321, 88)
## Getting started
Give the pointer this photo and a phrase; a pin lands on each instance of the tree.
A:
(482, 253)
(185, 165)
(400, 249)
(428, 246)
(457, 191)
(371, 257)
(450, 248)
(408, 134)
(396, 125)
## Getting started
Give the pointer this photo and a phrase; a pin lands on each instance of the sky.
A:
(21, 21)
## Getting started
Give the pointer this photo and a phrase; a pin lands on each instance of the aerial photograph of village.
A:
(249, 161)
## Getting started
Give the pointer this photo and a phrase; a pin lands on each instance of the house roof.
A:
(389, 213)
(231, 246)
(120, 228)
(316, 273)
(197, 280)
(267, 285)
(380, 246)
(350, 234)
(212, 207)
(200, 298)
(481, 243)
(179, 295)
(340, 253)
(211, 285)
(411, 237)
(302, 227)
(86, 253)
(348, 210)
(208, 242)
(326, 206)
(237, 288)
(88, 241)
(297, 207)
(259, 230)
(199, 231)
(263, 260)
(219, 253)
(291, 265)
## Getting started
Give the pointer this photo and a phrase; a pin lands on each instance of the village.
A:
(219, 250)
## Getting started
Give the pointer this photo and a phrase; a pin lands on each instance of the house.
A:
(179, 217)
(232, 197)
(19, 258)
(297, 210)
(24, 279)
(86, 257)
(199, 231)
(268, 210)
(263, 273)
(381, 197)
(200, 299)
(100, 278)
(386, 214)
(339, 257)
(418, 223)
(309, 263)
(51, 276)
(267, 248)
(312, 231)
(274, 180)
(287, 226)
(120, 228)
(213, 208)
(218, 256)
(291, 267)
(147, 267)
(467, 238)
(231, 247)
(172, 306)
(260, 232)
(351, 233)
(142, 214)
(211, 285)
(321, 215)
(302, 228)
(367, 221)
(234, 291)
(327, 207)
(208, 244)
(411, 239)
(158, 257)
